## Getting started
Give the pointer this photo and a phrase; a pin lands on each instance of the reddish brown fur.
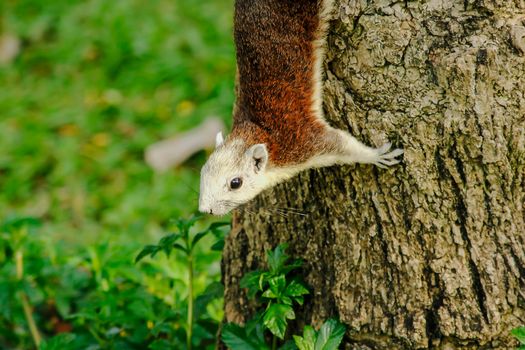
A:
(275, 60)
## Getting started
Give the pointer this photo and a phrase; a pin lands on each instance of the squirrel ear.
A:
(219, 139)
(259, 155)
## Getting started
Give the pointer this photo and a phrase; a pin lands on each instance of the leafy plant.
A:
(280, 294)
(73, 158)
(185, 242)
(17, 231)
(250, 337)
(519, 333)
(328, 337)
(279, 291)
(99, 299)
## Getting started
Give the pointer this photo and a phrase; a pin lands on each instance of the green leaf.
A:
(184, 225)
(204, 330)
(289, 345)
(330, 335)
(167, 243)
(235, 338)
(263, 279)
(198, 237)
(168, 240)
(17, 223)
(302, 344)
(251, 282)
(519, 333)
(180, 247)
(294, 265)
(295, 289)
(277, 258)
(215, 227)
(160, 344)
(6, 290)
(277, 285)
(147, 250)
(285, 300)
(254, 327)
(307, 341)
(218, 246)
(275, 318)
(64, 341)
(251, 279)
(269, 294)
(310, 334)
(214, 291)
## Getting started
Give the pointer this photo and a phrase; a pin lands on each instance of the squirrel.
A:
(278, 124)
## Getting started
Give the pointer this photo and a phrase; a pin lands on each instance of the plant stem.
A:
(19, 262)
(189, 334)
(274, 343)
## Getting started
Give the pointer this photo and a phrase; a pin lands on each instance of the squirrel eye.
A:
(235, 183)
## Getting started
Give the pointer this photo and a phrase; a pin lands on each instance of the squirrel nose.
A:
(203, 209)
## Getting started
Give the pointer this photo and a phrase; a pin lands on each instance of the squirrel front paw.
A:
(385, 157)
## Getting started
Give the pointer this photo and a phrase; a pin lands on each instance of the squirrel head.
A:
(233, 175)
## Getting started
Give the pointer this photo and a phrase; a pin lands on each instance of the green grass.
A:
(96, 82)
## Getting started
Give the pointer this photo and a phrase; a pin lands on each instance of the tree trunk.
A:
(429, 253)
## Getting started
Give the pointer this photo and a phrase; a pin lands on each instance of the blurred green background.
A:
(94, 83)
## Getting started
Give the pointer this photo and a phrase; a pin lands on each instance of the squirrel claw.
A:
(387, 159)
(394, 153)
(388, 162)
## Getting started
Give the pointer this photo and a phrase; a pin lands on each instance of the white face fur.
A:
(232, 176)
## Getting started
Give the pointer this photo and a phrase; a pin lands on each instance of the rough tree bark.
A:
(429, 253)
